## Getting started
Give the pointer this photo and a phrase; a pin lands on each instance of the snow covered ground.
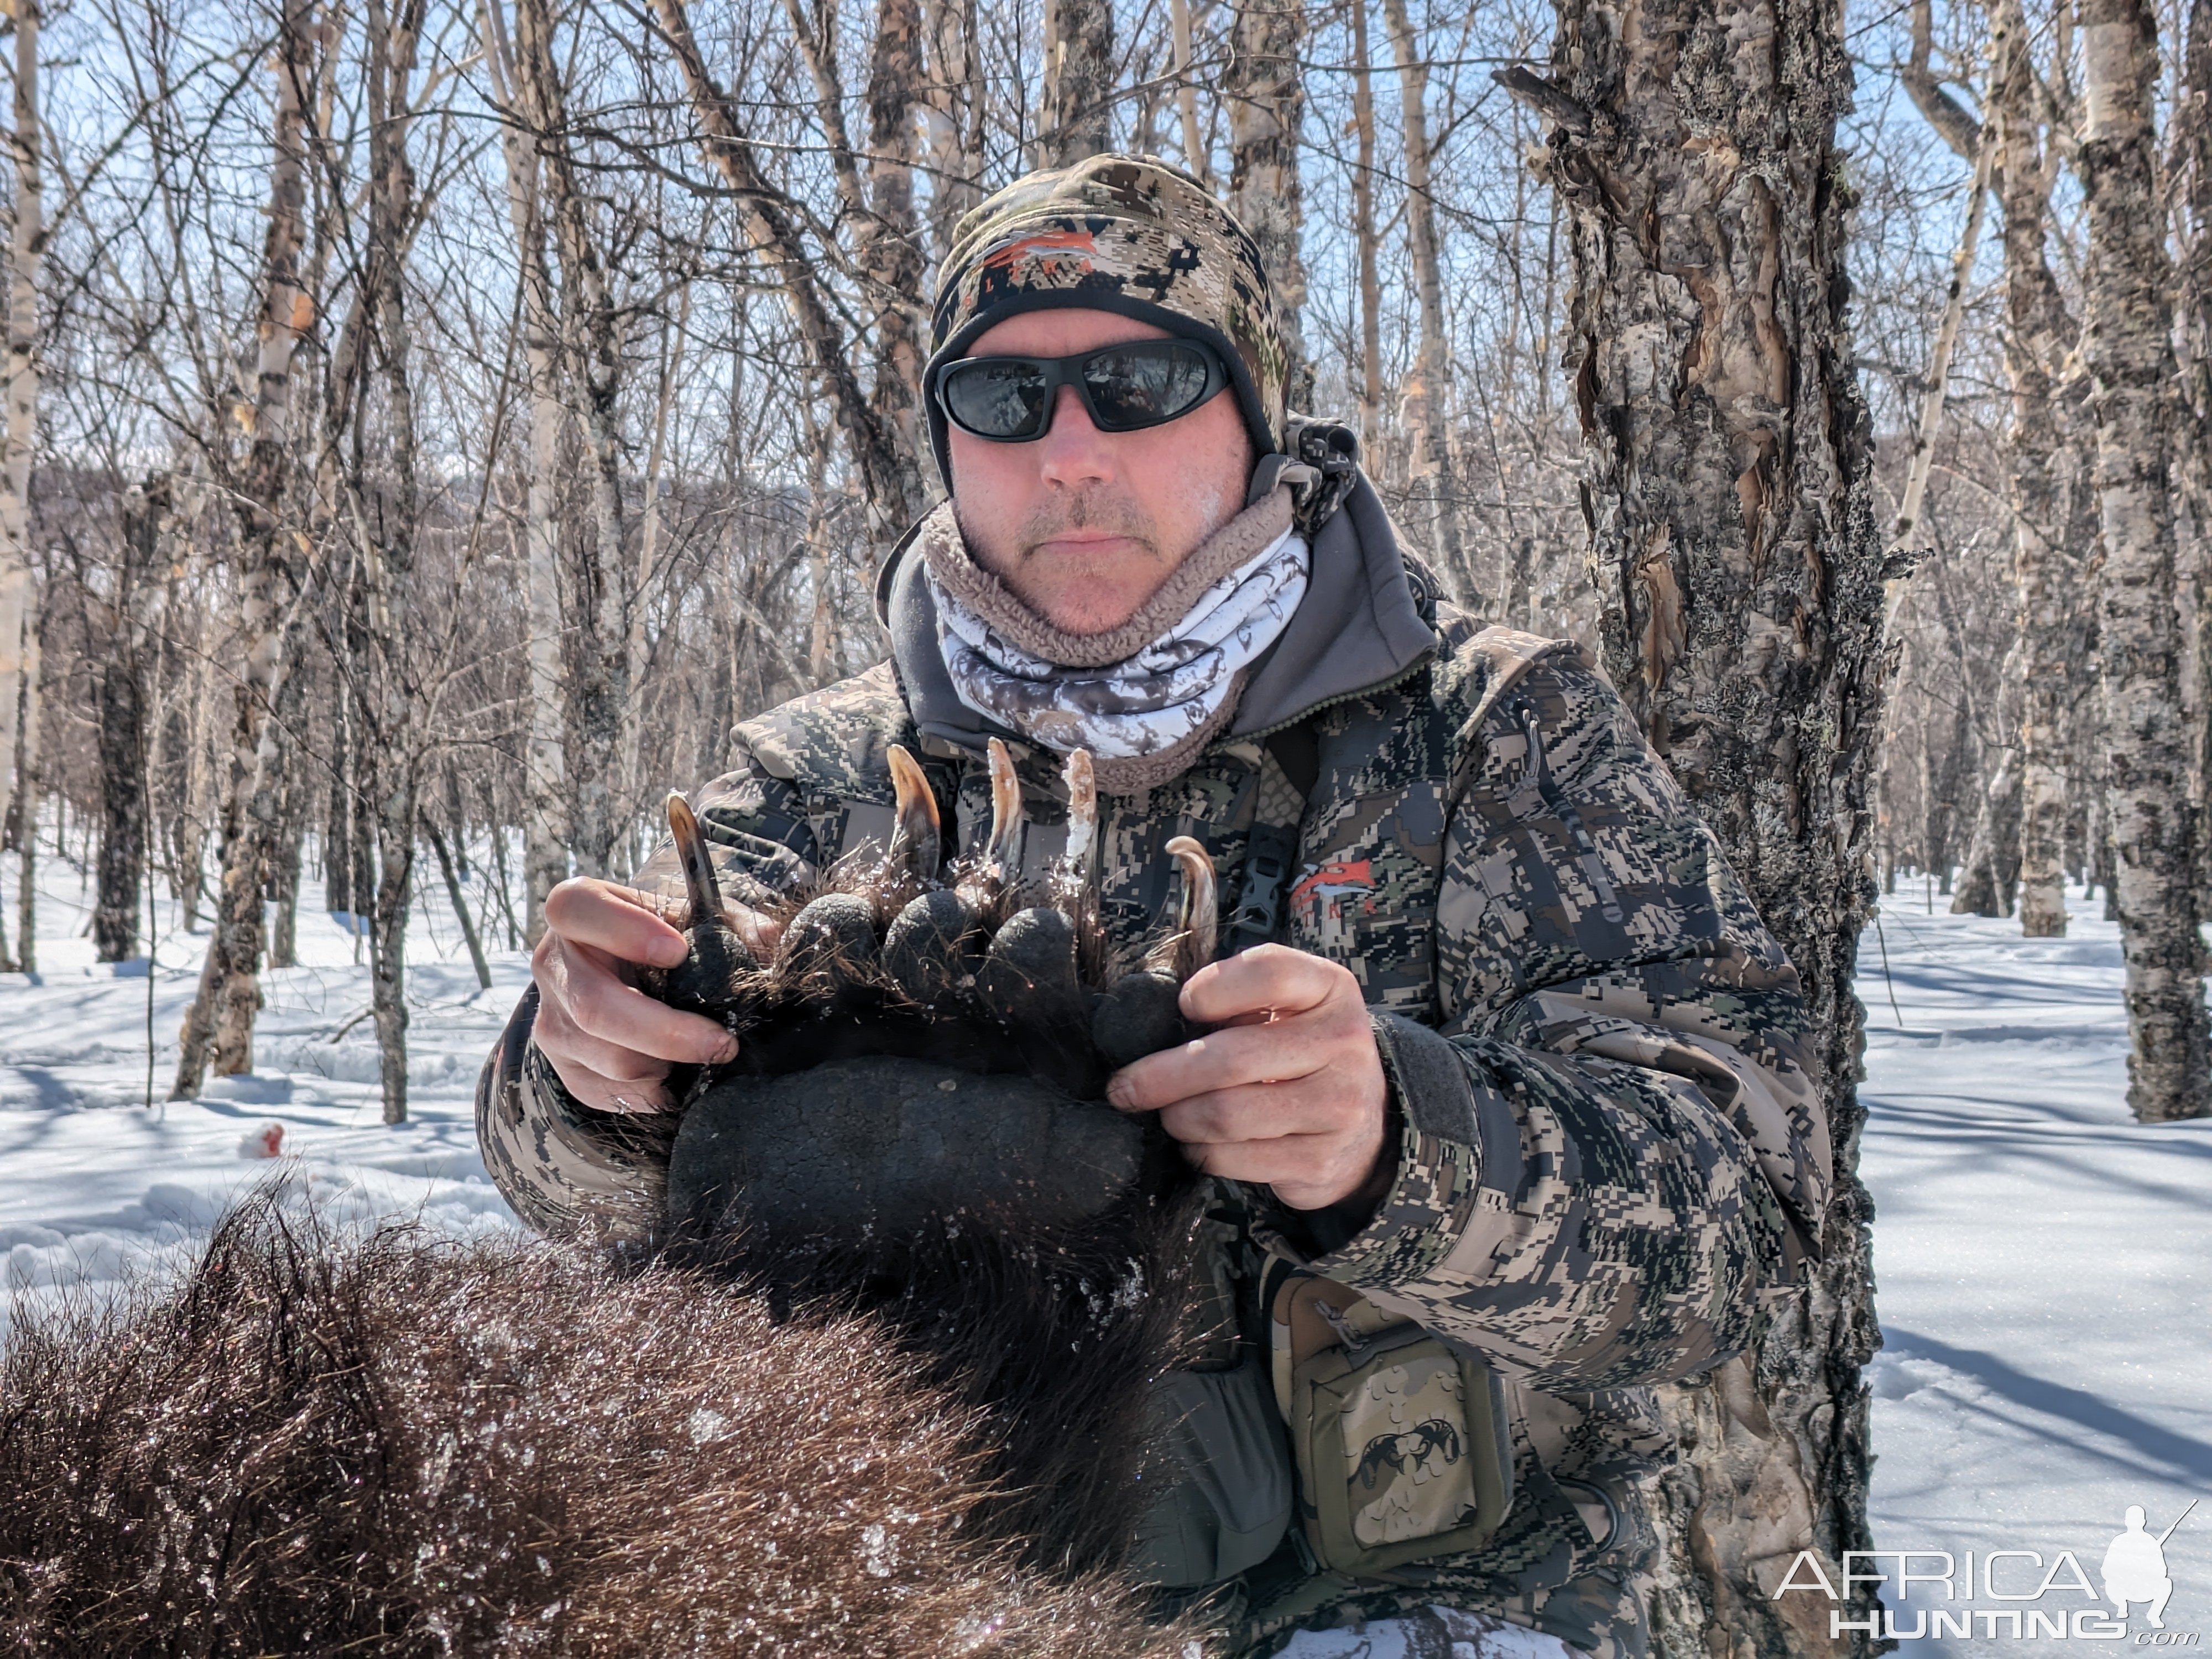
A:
(2044, 1273)
(2044, 1265)
(91, 1179)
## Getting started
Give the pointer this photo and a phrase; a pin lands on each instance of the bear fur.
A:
(390, 1443)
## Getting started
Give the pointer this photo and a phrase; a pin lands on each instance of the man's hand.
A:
(610, 1044)
(1290, 1093)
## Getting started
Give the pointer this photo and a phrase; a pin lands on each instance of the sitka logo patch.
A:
(1320, 894)
(1048, 249)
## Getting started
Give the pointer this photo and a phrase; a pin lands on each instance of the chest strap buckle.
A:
(1259, 911)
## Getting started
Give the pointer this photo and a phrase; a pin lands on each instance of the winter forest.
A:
(430, 426)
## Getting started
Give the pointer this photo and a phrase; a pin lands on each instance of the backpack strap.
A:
(1287, 776)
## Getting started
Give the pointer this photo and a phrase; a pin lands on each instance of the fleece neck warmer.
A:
(1145, 697)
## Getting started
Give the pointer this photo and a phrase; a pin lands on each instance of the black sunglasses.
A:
(1126, 388)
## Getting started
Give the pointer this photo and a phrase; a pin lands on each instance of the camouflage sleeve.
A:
(572, 1171)
(569, 1172)
(1611, 1151)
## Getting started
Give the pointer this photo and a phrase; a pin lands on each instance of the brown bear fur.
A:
(394, 1445)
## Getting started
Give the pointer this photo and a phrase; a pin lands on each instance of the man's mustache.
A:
(1117, 515)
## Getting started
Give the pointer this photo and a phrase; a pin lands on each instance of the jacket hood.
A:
(1359, 625)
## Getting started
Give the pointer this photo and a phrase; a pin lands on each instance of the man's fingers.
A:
(1253, 1113)
(624, 1016)
(1289, 1163)
(1280, 1052)
(579, 988)
(1265, 976)
(625, 923)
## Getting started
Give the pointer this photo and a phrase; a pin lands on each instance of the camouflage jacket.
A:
(1612, 1157)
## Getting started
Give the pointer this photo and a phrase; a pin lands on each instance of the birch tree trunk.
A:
(2130, 351)
(890, 249)
(597, 684)
(27, 796)
(544, 828)
(818, 43)
(1922, 462)
(1196, 160)
(1266, 104)
(388, 535)
(890, 244)
(219, 1026)
(1428, 393)
(1075, 118)
(25, 255)
(1726, 475)
(190, 858)
(820, 633)
(2038, 333)
(649, 557)
(1364, 230)
(952, 117)
(120, 696)
(2191, 190)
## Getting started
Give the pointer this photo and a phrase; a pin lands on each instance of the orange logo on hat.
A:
(1046, 246)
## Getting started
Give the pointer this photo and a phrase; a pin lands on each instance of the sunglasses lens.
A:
(1145, 383)
(997, 397)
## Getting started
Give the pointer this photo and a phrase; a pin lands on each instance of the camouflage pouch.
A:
(1400, 1438)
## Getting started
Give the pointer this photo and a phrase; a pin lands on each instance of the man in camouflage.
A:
(1533, 1082)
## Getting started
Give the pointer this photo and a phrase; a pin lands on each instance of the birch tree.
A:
(219, 1025)
(598, 594)
(544, 828)
(1428, 394)
(891, 249)
(26, 249)
(2038, 333)
(1365, 231)
(387, 524)
(952, 113)
(2129, 346)
(893, 491)
(122, 697)
(1265, 101)
(1075, 113)
(1726, 469)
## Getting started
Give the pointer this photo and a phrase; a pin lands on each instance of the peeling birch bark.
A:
(1727, 479)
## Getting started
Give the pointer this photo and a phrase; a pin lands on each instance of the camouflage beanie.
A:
(1126, 234)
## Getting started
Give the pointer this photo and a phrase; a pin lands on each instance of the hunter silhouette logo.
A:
(2135, 1566)
(2133, 1571)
